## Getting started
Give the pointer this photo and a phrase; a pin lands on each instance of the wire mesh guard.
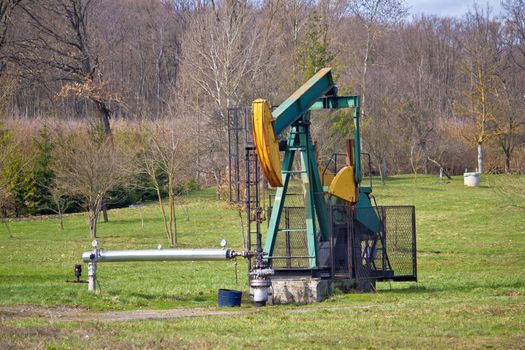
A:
(400, 240)
(353, 250)
(291, 244)
(391, 253)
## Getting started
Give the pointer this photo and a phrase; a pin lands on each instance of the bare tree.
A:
(422, 80)
(381, 123)
(223, 59)
(482, 55)
(6, 9)
(510, 116)
(293, 18)
(374, 14)
(222, 54)
(515, 21)
(420, 55)
(88, 167)
(61, 202)
(7, 83)
(61, 44)
(166, 155)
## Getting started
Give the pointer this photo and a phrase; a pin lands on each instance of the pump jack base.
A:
(307, 290)
(307, 285)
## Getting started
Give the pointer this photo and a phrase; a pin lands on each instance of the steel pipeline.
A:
(159, 255)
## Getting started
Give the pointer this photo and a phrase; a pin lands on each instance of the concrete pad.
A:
(311, 290)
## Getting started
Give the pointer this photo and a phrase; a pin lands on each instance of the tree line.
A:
(48, 167)
(433, 89)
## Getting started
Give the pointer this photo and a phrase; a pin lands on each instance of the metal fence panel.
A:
(400, 240)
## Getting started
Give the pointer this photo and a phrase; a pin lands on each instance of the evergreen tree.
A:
(42, 174)
(313, 53)
(19, 182)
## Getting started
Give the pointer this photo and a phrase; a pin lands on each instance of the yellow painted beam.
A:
(266, 144)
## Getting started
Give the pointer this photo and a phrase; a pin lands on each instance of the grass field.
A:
(470, 294)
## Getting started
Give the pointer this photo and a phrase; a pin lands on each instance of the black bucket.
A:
(229, 298)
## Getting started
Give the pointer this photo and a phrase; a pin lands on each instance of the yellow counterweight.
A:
(266, 144)
(343, 186)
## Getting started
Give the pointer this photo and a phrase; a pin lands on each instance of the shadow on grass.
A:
(467, 287)
(473, 188)
(146, 296)
(435, 188)
(132, 221)
(377, 179)
(34, 278)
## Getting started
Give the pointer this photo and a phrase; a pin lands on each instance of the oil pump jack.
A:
(330, 233)
(325, 230)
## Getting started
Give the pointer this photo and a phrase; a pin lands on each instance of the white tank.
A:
(471, 179)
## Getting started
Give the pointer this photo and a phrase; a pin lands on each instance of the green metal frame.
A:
(294, 113)
(295, 106)
(316, 212)
(335, 102)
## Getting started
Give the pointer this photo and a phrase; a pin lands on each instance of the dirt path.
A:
(61, 314)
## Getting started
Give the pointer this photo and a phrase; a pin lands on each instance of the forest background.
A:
(113, 102)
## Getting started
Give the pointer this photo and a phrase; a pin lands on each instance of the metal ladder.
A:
(234, 177)
(252, 200)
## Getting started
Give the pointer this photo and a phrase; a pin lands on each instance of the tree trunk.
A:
(164, 219)
(92, 218)
(61, 216)
(480, 158)
(171, 208)
(507, 160)
(365, 69)
(173, 222)
(385, 170)
(93, 214)
(105, 116)
(105, 210)
(381, 172)
(217, 185)
(413, 161)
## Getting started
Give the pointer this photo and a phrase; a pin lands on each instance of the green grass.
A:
(36, 258)
(470, 294)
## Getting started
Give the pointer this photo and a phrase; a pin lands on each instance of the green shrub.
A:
(42, 173)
